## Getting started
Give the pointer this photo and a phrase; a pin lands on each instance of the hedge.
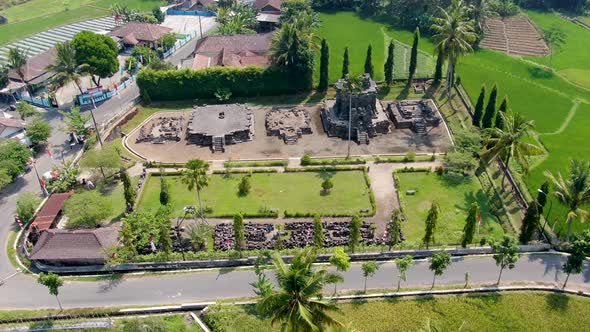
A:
(326, 169)
(278, 163)
(250, 81)
(245, 171)
(332, 161)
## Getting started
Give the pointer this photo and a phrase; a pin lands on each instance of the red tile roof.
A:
(46, 216)
(60, 244)
(139, 31)
(35, 66)
(275, 4)
(233, 50)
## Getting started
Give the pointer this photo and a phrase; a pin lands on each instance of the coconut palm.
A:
(573, 192)
(65, 67)
(508, 142)
(453, 35)
(480, 10)
(297, 305)
(17, 60)
(302, 27)
(195, 177)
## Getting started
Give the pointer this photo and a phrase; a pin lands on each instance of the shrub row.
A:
(155, 164)
(308, 161)
(278, 163)
(413, 170)
(331, 215)
(403, 159)
(326, 169)
(245, 171)
(260, 214)
(242, 82)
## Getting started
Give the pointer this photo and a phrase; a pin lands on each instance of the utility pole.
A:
(41, 182)
(94, 121)
(200, 28)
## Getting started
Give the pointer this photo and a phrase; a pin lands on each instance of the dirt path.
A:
(570, 115)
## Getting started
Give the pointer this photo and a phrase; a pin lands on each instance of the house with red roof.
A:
(140, 33)
(233, 51)
(49, 214)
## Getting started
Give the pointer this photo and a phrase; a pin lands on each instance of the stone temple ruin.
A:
(162, 129)
(288, 124)
(368, 118)
(414, 114)
(217, 125)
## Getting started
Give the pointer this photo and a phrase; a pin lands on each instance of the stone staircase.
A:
(362, 137)
(420, 127)
(290, 139)
(218, 144)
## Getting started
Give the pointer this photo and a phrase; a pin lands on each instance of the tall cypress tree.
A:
(431, 221)
(490, 114)
(318, 232)
(324, 66)
(478, 111)
(345, 63)
(369, 69)
(238, 227)
(542, 196)
(530, 223)
(414, 56)
(503, 108)
(388, 67)
(128, 190)
(470, 225)
(440, 59)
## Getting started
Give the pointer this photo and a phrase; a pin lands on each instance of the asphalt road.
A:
(22, 291)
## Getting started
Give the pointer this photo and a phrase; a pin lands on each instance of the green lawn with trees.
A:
(347, 29)
(454, 195)
(293, 192)
(518, 312)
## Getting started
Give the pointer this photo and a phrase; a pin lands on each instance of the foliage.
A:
(453, 35)
(3, 76)
(75, 121)
(291, 50)
(431, 221)
(164, 194)
(199, 234)
(168, 40)
(389, 63)
(530, 223)
(242, 82)
(158, 14)
(414, 56)
(327, 185)
(290, 9)
(505, 253)
(340, 260)
(355, 232)
(460, 162)
(13, 157)
(470, 225)
(238, 227)
(244, 186)
(143, 224)
(222, 94)
(65, 67)
(503, 109)
(38, 130)
(555, 38)
(318, 232)
(573, 192)
(195, 177)
(26, 110)
(504, 8)
(97, 51)
(128, 189)
(394, 228)
(105, 158)
(17, 59)
(26, 204)
(158, 64)
(542, 195)
(239, 19)
(52, 281)
(324, 66)
(369, 270)
(345, 63)
(478, 111)
(439, 262)
(144, 54)
(87, 209)
(296, 305)
(369, 68)
(66, 179)
(403, 264)
(490, 112)
(165, 241)
(440, 60)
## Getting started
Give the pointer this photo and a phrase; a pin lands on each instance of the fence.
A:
(101, 95)
(189, 12)
(43, 102)
(179, 44)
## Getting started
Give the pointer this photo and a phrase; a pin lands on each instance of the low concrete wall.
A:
(250, 261)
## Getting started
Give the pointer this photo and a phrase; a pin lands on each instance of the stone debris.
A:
(414, 114)
(161, 129)
(290, 124)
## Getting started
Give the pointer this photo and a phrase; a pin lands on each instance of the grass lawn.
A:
(344, 29)
(27, 19)
(294, 192)
(454, 195)
(509, 312)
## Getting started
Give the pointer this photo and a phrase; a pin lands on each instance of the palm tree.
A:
(301, 26)
(65, 67)
(297, 305)
(453, 35)
(480, 10)
(17, 60)
(508, 142)
(195, 177)
(573, 192)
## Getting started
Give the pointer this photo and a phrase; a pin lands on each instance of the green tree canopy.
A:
(341, 261)
(106, 158)
(439, 262)
(505, 253)
(470, 225)
(38, 130)
(75, 121)
(389, 63)
(369, 270)
(355, 232)
(26, 110)
(431, 221)
(403, 264)
(97, 51)
(369, 68)
(478, 111)
(26, 204)
(13, 157)
(53, 282)
(318, 232)
(239, 235)
(87, 209)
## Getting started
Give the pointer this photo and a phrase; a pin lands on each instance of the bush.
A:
(268, 163)
(440, 170)
(413, 170)
(26, 204)
(331, 161)
(410, 156)
(87, 209)
(242, 82)
(245, 171)
(305, 160)
(326, 169)
(244, 186)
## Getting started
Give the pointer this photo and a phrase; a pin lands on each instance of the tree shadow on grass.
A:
(404, 93)
(454, 180)
(325, 175)
(558, 302)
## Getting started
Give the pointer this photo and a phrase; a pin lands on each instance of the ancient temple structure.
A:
(367, 117)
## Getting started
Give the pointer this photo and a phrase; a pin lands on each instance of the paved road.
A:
(22, 291)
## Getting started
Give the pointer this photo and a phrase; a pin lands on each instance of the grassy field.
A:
(510, 312)
(294, 192)
(39, 15)
(454, 195)
(344, 29)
